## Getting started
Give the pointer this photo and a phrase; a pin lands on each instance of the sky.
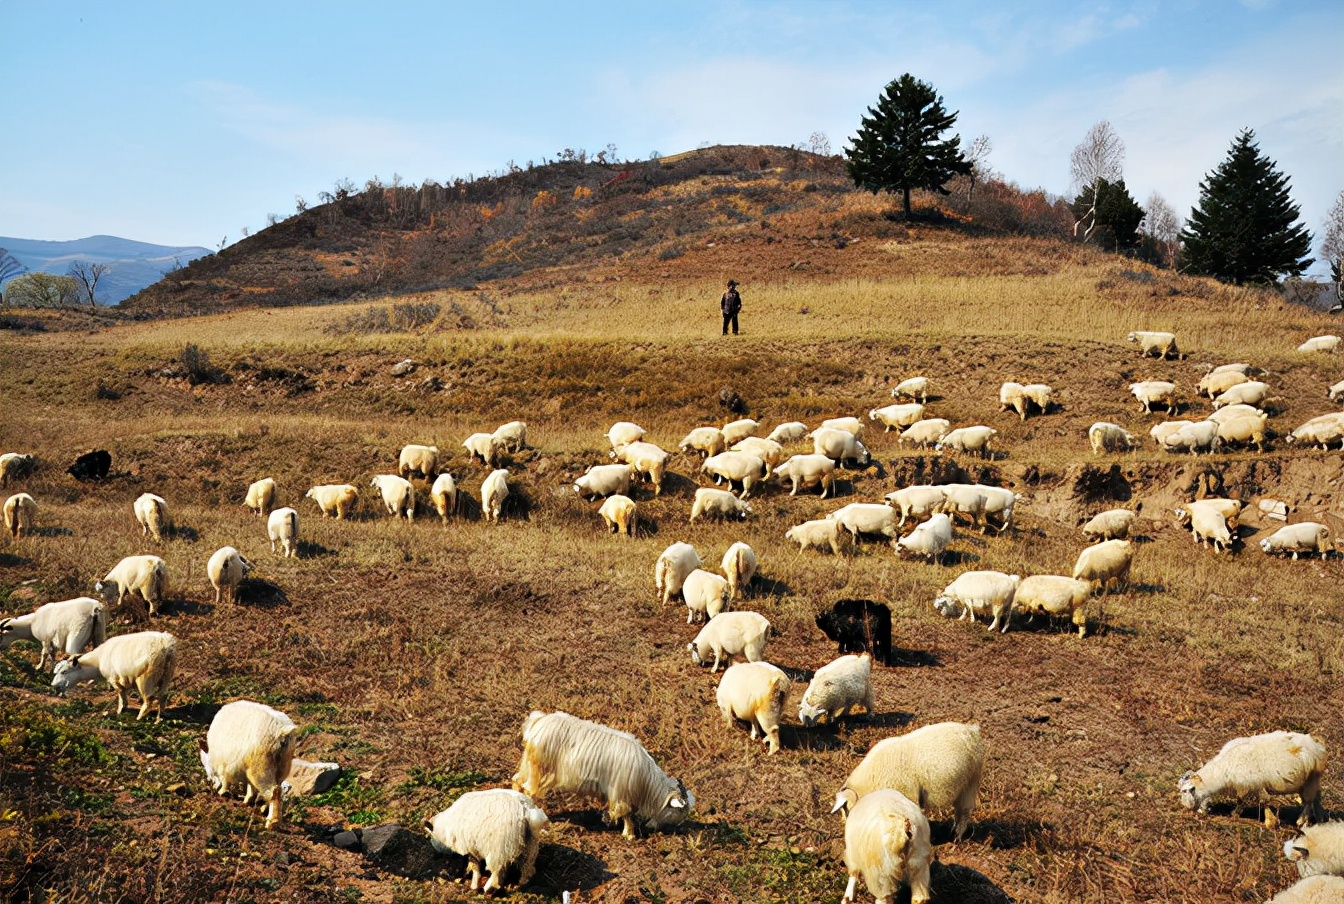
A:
(186, 123)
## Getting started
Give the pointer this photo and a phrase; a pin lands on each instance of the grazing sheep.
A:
(916, 388)
(1158, 344)
(887, 844)
(671, 569)
(152, 513)
(926, 432)
(1112, 524)
(1215, 384)
(998, 501)
(1250, 431)
(1229, 509)
(620, 515)
(1107, 561)
(283, 527)
(706, 595)
(837, 688)
(769, 451)
(564, 753)
(398, 495)
(485, 447)
(1244, 369)
(1312, 890)
(14, 465)
(145, 660)
(851, 425)
(897, 415)
(929, 539)
(1303, 538)
(1276, 763)
(1012, 398)
(1336, 393)
(20, 511)
(67, 626)
(754, 692)
(1040, 395)
(937, 766)
(444, 496)
(1201, 436)
(729, 634)
(859, 626)
(1103, 436)
(494, 490)
(605, 480)
(789, 432)
(975, 439)
(1252, 392)
(146, 575)
(965, 500)
(1155, 392)
(1320, 344)
(1054, 595)
(866, 518)
(419, 461)
(338, 499)
(1160, 432)
(1210, 527)
(645, 460)
(818, 534)
(736, 467)
(705, 440)
(719, 504)
(250, 746)
(840, 447)
(980, 592)
(805, 471)
(623, 433)
(226, 570)
(919, 502)
(736, 431)
(498, 830)
(1233, 411)
(261, 496)
(1319, 850)
(511, 437)
(739, 567)
(1322, 431)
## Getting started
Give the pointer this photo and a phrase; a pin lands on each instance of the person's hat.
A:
(731, 283)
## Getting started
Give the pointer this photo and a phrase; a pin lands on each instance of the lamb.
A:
(805, 471)
(14, 465)
(498, 830)
(604, 480)
(728, 635)
(822, 532)
(623, 433)
(1336, 393)
(926, 432)
(1279, 762)
(916, 388)
(706, 595)
(1312, 890)
(789, 432)
(226, 570)
(736, 431)
(840, 447)
(919, 502)
(705, 440)
(67, 626)
(976, 592)
(1322, 430)
(897, 415)
(837, 688)
(719, 504)
(754, 692)
(975, 439)
(420, 461)
(1248, 430)
(646, 460)
(485, 447)
(1229, 412)
(494, 490)
(1112, 524)
(1215, 384)
(1105, 562)
(1150, 342)
(886, 844)
(1054, 595)
(866, 518)
(511, 437)
(929, 539)
(338, 499)
(1201, 436)
(444, 496)
(260, 496)
(398, 495)
(851, 425)
(671, 569)
(1252, 392)
(152, 513)
(283, 527)
(250, 745)
(20, 511)
(1303, 538)
(145, 660)
(767, 450)
(1160, 432)
(620, 515)
(1320, 344)
(1155, 392)
(146, 575)
(937, 766)
(1319, 850)
(739, 567)
(858, 626)
(564, 753)
(1104, 436)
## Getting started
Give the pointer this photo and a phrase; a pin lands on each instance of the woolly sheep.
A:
(1243, 369)
(398, 495)
(622, 433)
(789, 432)
(1303, 538)
(736, 467)
(146, 575)
(420, 461)
(937, 766)
(250, 746)
(1229, 509)
(564, 753)
(837, 688)
(1105, 562)
(498, 830)
(916, 388)
(1320, 344)
(283, 527)
(1155, 392)
(897, 415)
(866, 518)
(999, 501)
(1215, 384)
(494, 490)
(769, 451)
(620, 515)
(1232, 411)
(145, 660)
(754, 692)
(1276, 763)
(706, 595)
(728, 635)
(823, 532)
(886, 844)
(260, 496)
(1252, 392)
(965, 500)
(152, 513)
(511, 437)
(929, 539)
(1112, 524)
(605, 480)
(1250, 431)
(805, 471)
(1312, 890)
(671, 569)
(1201, 436)
(926, 432)
(14, 465)
(483, 446)
(1336, 393)
(736, 431)
(1159, 344)
(1319, 850)
(976, 592)
(1160, 432)
(919, 502)
(1054, 595)
(444, 496)
(1040, 395)
(851, 425)
(1103, 436)
(969, 439)
(336, 499)
(739, 567)
(1209, 527)
(1012, 398)
(1322, 431)
(705, 440)
(20, 511)
(840, 447)
(226, 570)
(67, 626)
(719, 504)
(645, 460)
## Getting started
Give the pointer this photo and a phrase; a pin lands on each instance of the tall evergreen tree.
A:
(1245, 228)
(898, 146)
(1116, 215)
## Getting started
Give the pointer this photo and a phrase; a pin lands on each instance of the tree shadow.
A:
(53, 532)
(261, 593)
(308, 549)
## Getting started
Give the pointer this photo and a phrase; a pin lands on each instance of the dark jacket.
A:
(731, 303)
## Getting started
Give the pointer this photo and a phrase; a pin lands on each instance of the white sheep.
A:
(1252, 392)
(260, 495)
(1040, 395)
(422, 461)
(511, 437)
(145, 660)
(485, 447)
(789, 432)
(398, 495)
(1153, 341)
(1319, 850)
(620, 515)
(706, 441)
(926, 432)
(929, 539)
(966, 500)
(1201, 436)
(919, 502)
(1012, 398)
(1160, 432)
(706, 595)
(1112, 524)
(1209, 527)
(1312, 890)
(20, 512)
(937, 766)
(866, 518)
(564, 753)
(622, 433)
(13, 465)
(901, 416)
(1276, 763)
(283, 527)
(1215, 384)
(1251, 431)
(851, 425)
(818, 534)
(739, 567)
(754, 692)
(1322, 430)
(1229, 412)
(605, 480)
(1155, 392)
(494, 490)
(645, 460)
(736, 431)
(444, 496)
(146, 575)
(334, 499)
(769, 451)
(729, 634)
(152, 513)
(736, 467)
(887, 843)
(1103, 436)
(916, 388)
(840, 446)
(67, 626)
(719, 504)
(498, 830)
(1054, 595)
(1303, 538)
(975, 439)
(837, 688)
(805, 471)
(1229, 509)
(250, 746)
(1212, 375)
(226, 570)
(1336, 392)
(999, 501)
(980, 592)
(1320, 344)
(671, 569)
(1108, 561)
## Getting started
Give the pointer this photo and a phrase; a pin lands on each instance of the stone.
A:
(346, 841)
(402, 368)
(398, 851)
(307, 778)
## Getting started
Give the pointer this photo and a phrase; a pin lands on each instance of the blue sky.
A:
(183, 122)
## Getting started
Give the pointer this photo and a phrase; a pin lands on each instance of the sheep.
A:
(152, 513)
(937, 766)
(420, 461)
(260, 496)
(511, 437)
(1320, 344)
(1112, 524)
(840, 447)
(706, 595)
(283, 527)
(887, 843)
(729, 634)
(494, 490)
(822, 532)
(1012, 398)
(739, 567)
(1323, 430)
(645, 460)
(1160, 432)
(398, 495)
(916, 388)
(1103, 436)
(926, 432)
(145, 659)
(1279, 763)
(858, 626)
(969, 439)
(1160, 343)
(250, 745)
(736, 431)
(334, 499)
(20, 511)
(604, 480)
(1107, 561)
(1312, 890)
(1229, 509)
(483, 446)
(705, 440)
(837, 688)
(1209, 526)
(1303, 538)
(975, 592)
(897, 415)
(444, 496)
(769, 451)
(754, 692)
(866, 518)
(789, 432)
(620, 515)
(966, 500)
(564, 753)
(1336, 392)
(929, 539)
(1319, 850)
(719, 504)
(1040, 395)
(1233, 411)
(851, 425)
(1252, 392)
(1215, 384)
(919, 502)
(671, 569)
(226, 570)
(804, 471)
(622, 433)
(14, 465)
(1201, 436)
(146, 575)
(1155, 392)
(67, 626)
(1248, 430)
(498, 830)
(1054, 595)
(999, 501)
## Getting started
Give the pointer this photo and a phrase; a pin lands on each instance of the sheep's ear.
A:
(1301, 850)
(4, 625)
(839, 802)
(429, 826)
(74, 662)
(676, 802)
(202, 745)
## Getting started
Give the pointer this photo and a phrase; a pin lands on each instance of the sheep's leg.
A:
(850, 889)
(276, 810)
(473, 873)
(121, 699)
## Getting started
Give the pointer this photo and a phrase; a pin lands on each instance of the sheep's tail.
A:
(160, 581)
(779, 689)
(161, 670)
(99, 633)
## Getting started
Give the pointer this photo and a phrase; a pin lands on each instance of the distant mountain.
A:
(135, 265)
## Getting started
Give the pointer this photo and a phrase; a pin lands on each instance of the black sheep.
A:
(859, 626)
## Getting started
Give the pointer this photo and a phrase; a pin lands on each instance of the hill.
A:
(134, 265)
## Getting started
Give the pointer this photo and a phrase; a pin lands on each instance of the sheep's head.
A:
(695, 653)
(1264, 547)
(63, 679)
(809, 714)
(6, 633)
(675, 807)
(1294, 851)
(947, 606)
(845, 799)
(107, 591)
(1193, 796)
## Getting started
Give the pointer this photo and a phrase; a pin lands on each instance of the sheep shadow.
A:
(952, 557)
(645, 527)
(9, 560)
(761, 586)
(1001, 834)
(308, 549)
(560, 869)
(823, 738)
(185, 534)
(518, 505)
(261, 593)
(954, 882)
(921, 659)
(195, 713)
(1232, 809)
(897, 719)
(675, 484)
(53, 532)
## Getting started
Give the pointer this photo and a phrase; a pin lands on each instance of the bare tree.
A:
(818, 143)
(88, 274)
(1332, 244)
(1100, 157)
(1163, 225)
(10, 266)
(976, 155)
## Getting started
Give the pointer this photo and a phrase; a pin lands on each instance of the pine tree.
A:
(898, 148)
(1117, 215)
(1245, 228)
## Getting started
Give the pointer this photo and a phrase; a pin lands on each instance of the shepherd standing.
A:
(730, 304)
